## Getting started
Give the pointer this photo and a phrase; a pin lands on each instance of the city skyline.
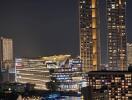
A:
(33, 31)
(66, 49)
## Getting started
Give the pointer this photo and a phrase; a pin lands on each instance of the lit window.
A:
(113, 6)
(93, 13)
(109, 9)
(83, 1)
(123, 34)
(110, 34)
(120, 2)
(109, 19)
(93, 3)
(93, 23)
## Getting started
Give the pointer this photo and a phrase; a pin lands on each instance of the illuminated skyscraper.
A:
(116, 27)
(6, 58)
(89, 35)
(6, 53)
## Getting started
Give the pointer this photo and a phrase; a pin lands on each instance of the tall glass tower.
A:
(89, 35)
(116, 27)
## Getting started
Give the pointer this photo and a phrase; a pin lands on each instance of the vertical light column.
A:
(94, 32)
(89, 35)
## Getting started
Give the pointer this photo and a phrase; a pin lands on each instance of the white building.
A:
(6, 59)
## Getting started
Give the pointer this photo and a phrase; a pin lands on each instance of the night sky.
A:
(48, 27)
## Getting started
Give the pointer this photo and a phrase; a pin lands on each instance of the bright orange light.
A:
(94, 23)
(93, 3)
(94, 34)
(93, 13)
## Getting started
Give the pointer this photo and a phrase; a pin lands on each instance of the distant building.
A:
(32, 71)
(129, 54)
(117, 85)
(6, 58)
(69, 75)
(116, 29)
(66, 71)
(89, 35)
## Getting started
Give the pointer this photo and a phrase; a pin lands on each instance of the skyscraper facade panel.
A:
(89, 34)
(116, 28)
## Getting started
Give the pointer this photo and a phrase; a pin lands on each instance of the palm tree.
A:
(53, 84)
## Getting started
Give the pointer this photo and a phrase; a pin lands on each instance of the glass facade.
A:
(116, 28)
(89, 35)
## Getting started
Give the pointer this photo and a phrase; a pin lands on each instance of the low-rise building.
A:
(66, 70)
(116, 84)
(32, 71)
(69, 75)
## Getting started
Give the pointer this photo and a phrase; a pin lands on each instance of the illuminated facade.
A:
(67, 71)
(32, 71)
(129, 54)
(6, 58)
(117, 85)
(6, 53)
(89, 35)
(69, 75)
(116, 28)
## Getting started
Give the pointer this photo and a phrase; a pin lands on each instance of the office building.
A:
(117, 85)
(129, 54)
(89, 35)
(6, 58)
(116, 29)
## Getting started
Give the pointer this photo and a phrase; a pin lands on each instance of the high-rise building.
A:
(89, 35)
(6, 58)
(129, 54)
(116, 28)
(6, 53)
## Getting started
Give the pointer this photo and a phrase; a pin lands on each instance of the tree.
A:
(51, 71)
(52, 86)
